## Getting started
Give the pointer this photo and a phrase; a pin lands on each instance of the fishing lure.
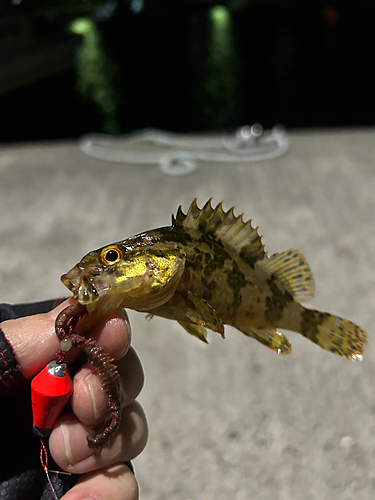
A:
(65, 324)
(209, 268)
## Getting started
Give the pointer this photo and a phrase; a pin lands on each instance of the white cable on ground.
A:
(180, 153)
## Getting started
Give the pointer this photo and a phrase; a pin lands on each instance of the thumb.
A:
(33, 339)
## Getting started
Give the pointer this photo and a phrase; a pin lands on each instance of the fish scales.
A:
(210, 268)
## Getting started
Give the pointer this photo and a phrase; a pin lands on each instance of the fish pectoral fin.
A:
(193, 313)
(200, 312)
(291, 268)
(198, 331)
(270, 338)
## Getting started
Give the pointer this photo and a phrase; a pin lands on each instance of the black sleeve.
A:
(8, 311)
(10, 377)
(21, 474)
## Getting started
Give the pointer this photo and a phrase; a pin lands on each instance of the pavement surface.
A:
(231, 419)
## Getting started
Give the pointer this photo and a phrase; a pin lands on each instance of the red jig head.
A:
(50, 391)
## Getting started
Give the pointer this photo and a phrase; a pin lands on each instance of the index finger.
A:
(35, 343)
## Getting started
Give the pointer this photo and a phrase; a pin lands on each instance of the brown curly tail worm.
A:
(64, 326)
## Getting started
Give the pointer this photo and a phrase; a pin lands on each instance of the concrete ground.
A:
(231, 419)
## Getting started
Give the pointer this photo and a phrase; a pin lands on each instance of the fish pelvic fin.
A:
(232, 231)
(198, 331)
(334, 334)
(292, 270)
(271, 338)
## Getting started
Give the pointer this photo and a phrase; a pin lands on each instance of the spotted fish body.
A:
(206, 270)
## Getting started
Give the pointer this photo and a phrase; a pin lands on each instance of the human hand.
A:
(104, 475)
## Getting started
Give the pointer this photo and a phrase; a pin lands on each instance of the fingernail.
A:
(68, 449)
(126, 319)
(88, 379)
(115, 468)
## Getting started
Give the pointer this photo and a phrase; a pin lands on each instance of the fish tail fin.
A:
(333, 334)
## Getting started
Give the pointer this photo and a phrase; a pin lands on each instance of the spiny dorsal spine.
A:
(225, 227)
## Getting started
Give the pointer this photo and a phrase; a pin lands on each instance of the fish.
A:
(210, 269)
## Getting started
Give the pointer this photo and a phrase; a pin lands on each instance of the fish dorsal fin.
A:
(291, 268)
(225, 227)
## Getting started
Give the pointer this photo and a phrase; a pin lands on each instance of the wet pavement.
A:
(230, 419)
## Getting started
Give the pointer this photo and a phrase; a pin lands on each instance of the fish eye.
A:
(111, 255)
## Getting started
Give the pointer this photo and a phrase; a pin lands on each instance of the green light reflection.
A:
(95, 72)
(220, 15)
(222, 78)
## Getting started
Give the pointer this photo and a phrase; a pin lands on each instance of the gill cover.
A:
(149, 278)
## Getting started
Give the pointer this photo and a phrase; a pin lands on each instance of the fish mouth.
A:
(80, 286)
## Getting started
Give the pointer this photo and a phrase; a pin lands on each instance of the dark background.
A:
(67, 68)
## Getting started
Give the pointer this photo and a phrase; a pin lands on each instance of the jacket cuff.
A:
(10, 376)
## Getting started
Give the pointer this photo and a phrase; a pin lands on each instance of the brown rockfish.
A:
(208, 269)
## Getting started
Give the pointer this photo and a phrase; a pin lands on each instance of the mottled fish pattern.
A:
(208, 269)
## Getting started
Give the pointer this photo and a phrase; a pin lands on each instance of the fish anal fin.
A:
(291, 268)
(198, 331)
(271, 338)
(232, 231)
